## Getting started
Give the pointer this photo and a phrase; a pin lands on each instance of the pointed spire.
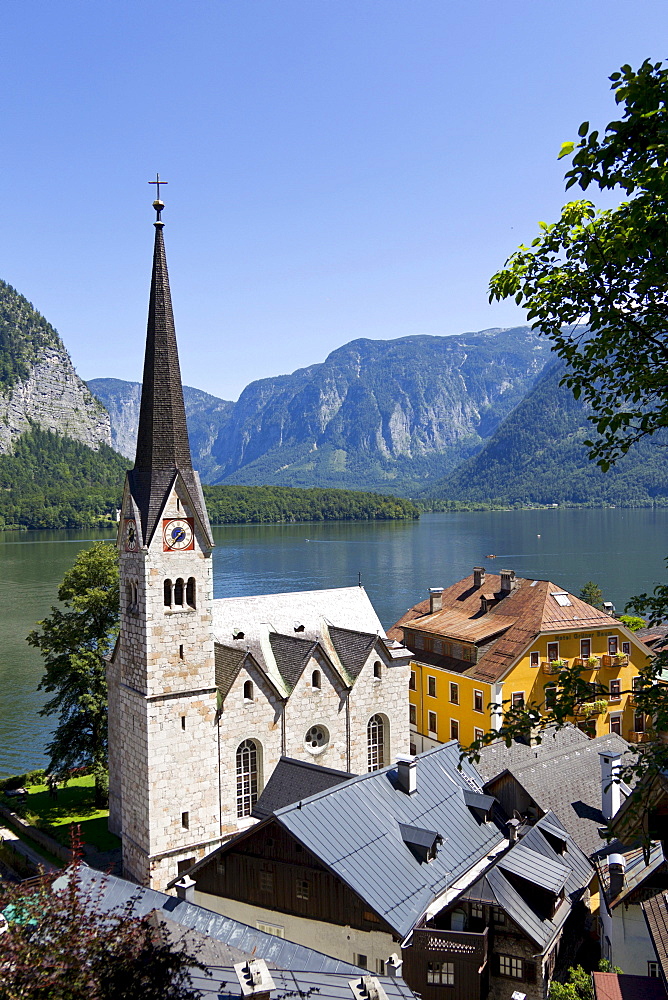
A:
(162, 440)
(163, 449)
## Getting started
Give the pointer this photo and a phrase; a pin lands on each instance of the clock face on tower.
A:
(130, 535)
(177, 534)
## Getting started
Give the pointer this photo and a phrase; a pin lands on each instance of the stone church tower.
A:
(163, 754)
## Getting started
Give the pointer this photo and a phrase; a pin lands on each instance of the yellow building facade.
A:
(480, 646)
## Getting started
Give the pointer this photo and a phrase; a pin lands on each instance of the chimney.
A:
(254, 978)
(508, 582)
(611, 794)
(185, 889)
(367, 988)
(407, 774)
(393, 965)
(478, 576)
(616, 871)
(512, 825)
(435, 599)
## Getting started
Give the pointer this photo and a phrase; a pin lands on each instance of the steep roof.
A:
(354, 831)
(517, 617)
(533, 860)
(561, 774)
(637, 871)
(655, 911)
(163, 448)
(292, 780)
(283, 631)
(107, 893)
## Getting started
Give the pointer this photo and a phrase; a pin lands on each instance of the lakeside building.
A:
(490, 640)
(412, 868)
(206, 695)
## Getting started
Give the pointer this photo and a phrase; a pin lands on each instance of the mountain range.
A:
(375, 415)
(474, 418)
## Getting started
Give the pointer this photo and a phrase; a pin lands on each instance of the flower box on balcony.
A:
(551, 667)
(587, 662)
(615, 661)
(589, 708)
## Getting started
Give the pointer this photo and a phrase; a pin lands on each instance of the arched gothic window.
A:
(375, 732)
(248, 691)
(178, 593)
(247, 777)
(167, 600)
(316, 679)
(190, 592)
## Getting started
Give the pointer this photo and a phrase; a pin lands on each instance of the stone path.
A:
(21, 847)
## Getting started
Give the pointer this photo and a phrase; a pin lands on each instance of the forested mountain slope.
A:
(388, 415)
(537, 455)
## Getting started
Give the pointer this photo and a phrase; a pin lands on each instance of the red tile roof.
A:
(517, 617)
(610, 986)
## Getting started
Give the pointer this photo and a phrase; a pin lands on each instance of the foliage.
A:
(24, 335)
(58, 944)
(596, 282)
(579, 986)
(592, 594)
(538, 456)
(633, 622)
(49, 481)
(278, 504)
(74, 643)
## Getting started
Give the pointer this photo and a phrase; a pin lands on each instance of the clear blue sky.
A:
(337, 168)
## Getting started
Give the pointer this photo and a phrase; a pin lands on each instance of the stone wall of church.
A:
(386, 696)
(322, 714)
(168, 705)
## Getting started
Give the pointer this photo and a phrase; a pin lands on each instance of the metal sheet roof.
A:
(535, 868)
(354, 830)
(108, 892)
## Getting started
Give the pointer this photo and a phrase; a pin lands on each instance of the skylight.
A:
(562, 599)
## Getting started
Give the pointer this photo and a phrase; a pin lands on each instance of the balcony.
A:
(613, 661)
(471, 944)
(587, 662)
(552, 667)
(588, 709)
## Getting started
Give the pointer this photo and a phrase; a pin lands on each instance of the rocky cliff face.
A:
(389, 415)
(206, 415)
(38, 383)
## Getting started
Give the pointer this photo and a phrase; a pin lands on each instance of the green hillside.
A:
(24, 335)
(538, 455)
(50, 481)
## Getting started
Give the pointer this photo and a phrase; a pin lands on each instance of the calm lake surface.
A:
(622, 550)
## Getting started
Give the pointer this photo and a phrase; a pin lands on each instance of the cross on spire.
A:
(157, 204)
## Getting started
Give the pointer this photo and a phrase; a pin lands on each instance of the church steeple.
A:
(162, 440)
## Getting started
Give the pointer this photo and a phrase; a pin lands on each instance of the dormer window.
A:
(423, 844)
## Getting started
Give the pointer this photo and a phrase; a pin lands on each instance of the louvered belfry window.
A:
(376, 742)
(246, 777)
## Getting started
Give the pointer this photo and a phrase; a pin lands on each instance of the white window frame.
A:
(431, 683)
(455, 723)
(586, 656)
(534, 655)
(517, 694)
(430, 716)
(482, 700)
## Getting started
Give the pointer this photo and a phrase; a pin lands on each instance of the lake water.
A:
(622, 550)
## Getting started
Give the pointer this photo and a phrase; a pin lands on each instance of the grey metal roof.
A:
(562, 774)
(476, 800)
(110, 893)
(325, 986)
(292, 780)
(535, 868)
(495, 888)
(353, 829)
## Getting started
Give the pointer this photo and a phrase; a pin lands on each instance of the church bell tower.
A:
(163, 761)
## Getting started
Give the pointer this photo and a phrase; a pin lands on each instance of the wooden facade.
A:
(271, 869)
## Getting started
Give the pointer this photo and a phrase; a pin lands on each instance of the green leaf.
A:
(566, 149)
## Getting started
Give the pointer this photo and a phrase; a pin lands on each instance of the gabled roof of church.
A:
(353, 648)
(291, 655)
(162, 439)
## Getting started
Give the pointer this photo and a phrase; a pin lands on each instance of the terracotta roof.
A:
(610, 986)
(532, 607)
